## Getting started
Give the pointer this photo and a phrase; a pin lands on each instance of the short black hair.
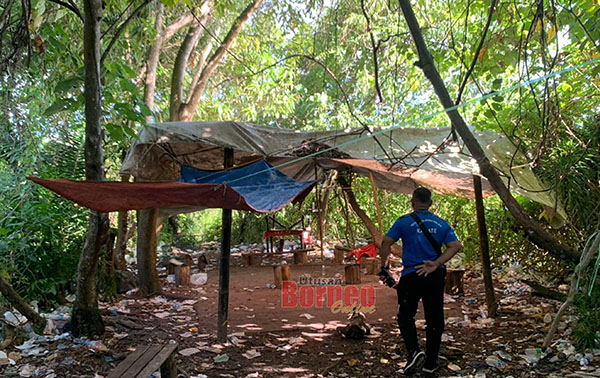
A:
(422, 195)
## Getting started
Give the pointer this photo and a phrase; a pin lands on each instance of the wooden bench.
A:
(146, 360)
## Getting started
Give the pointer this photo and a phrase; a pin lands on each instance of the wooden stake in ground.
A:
(484, 246)
(222, 313)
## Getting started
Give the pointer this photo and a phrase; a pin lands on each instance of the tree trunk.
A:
(86, 319)
(375, 233)
(538, 235)
(187, 110)
(25, 309)
(146, 252)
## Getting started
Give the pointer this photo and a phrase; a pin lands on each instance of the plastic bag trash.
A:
(252, 353)
(494, 361)
(453, 367)
(504, 355)
(15, 319)
(307, 316)
(221, 358)
(189, 351)
(532, 355)
(171, 278)
(198, 278)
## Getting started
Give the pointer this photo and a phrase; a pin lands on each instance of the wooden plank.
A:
(127, 362)
(142, 361)
(160, 357)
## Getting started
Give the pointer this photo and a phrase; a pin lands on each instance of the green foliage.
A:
(586, 332)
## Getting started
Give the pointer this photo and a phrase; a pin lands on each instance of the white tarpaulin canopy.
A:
(399, 159)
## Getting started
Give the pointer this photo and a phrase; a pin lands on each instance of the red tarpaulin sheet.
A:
(107, 196)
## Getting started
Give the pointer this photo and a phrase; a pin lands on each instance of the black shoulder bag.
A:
(427, 234)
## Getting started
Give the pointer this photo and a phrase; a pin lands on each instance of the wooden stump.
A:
(372, 264)
(352, 274)
(181, 272)
(185, 257)
(339, 253)
(202, 262)
(454, 283)
(281, 273)
(252, 259)
(300, 257)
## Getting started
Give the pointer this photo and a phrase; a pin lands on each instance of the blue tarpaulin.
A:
(263, 187)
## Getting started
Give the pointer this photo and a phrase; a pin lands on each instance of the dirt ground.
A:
(267, 340)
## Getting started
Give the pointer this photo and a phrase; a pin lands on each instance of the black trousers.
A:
(430, 289)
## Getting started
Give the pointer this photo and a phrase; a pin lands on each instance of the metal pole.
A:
(222, 320)
(490, 297)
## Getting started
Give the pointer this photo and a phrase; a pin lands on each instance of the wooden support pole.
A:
(376, 201)
(490, 297)
(222, 315)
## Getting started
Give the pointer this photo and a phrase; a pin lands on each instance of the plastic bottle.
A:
(323, 270)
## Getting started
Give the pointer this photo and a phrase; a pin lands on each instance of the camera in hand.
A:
(387, 278)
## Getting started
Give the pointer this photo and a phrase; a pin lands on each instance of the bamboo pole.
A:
(376, 201)
(484, 246)
(222, 315)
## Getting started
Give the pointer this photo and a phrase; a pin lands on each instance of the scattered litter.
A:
(189, 351)
(307, 316)
(221, 358)
(453, 367)
(198, 279)
(252, 353)
(163, 315)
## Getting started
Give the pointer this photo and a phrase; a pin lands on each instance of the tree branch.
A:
(70, 7)
(535, 232)
(122, 28)
(374, 46)
(187, 110)
(477, 52)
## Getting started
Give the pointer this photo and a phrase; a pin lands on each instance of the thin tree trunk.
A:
(538, 235)
(187, 110)
(86, 319)
(490, 296)
(146, 252)
(17, 302)
(122, 227)
(375, 233)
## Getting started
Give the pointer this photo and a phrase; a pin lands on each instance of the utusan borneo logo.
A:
(327, 292)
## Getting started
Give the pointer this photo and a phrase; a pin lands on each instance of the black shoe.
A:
(414, 363)
(430, 366)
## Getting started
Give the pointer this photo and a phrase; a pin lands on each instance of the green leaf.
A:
(58, 106)
(67, 84)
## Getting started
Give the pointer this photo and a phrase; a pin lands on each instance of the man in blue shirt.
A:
(423, 277)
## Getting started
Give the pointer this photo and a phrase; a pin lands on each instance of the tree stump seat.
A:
(146, 360)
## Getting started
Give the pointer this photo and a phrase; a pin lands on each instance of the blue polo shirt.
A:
(415, 246)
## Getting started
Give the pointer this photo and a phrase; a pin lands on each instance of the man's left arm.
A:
(427, 267)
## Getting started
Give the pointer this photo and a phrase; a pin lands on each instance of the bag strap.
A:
(427, 234)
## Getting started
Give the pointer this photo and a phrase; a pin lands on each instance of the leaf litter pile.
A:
(266, 340)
